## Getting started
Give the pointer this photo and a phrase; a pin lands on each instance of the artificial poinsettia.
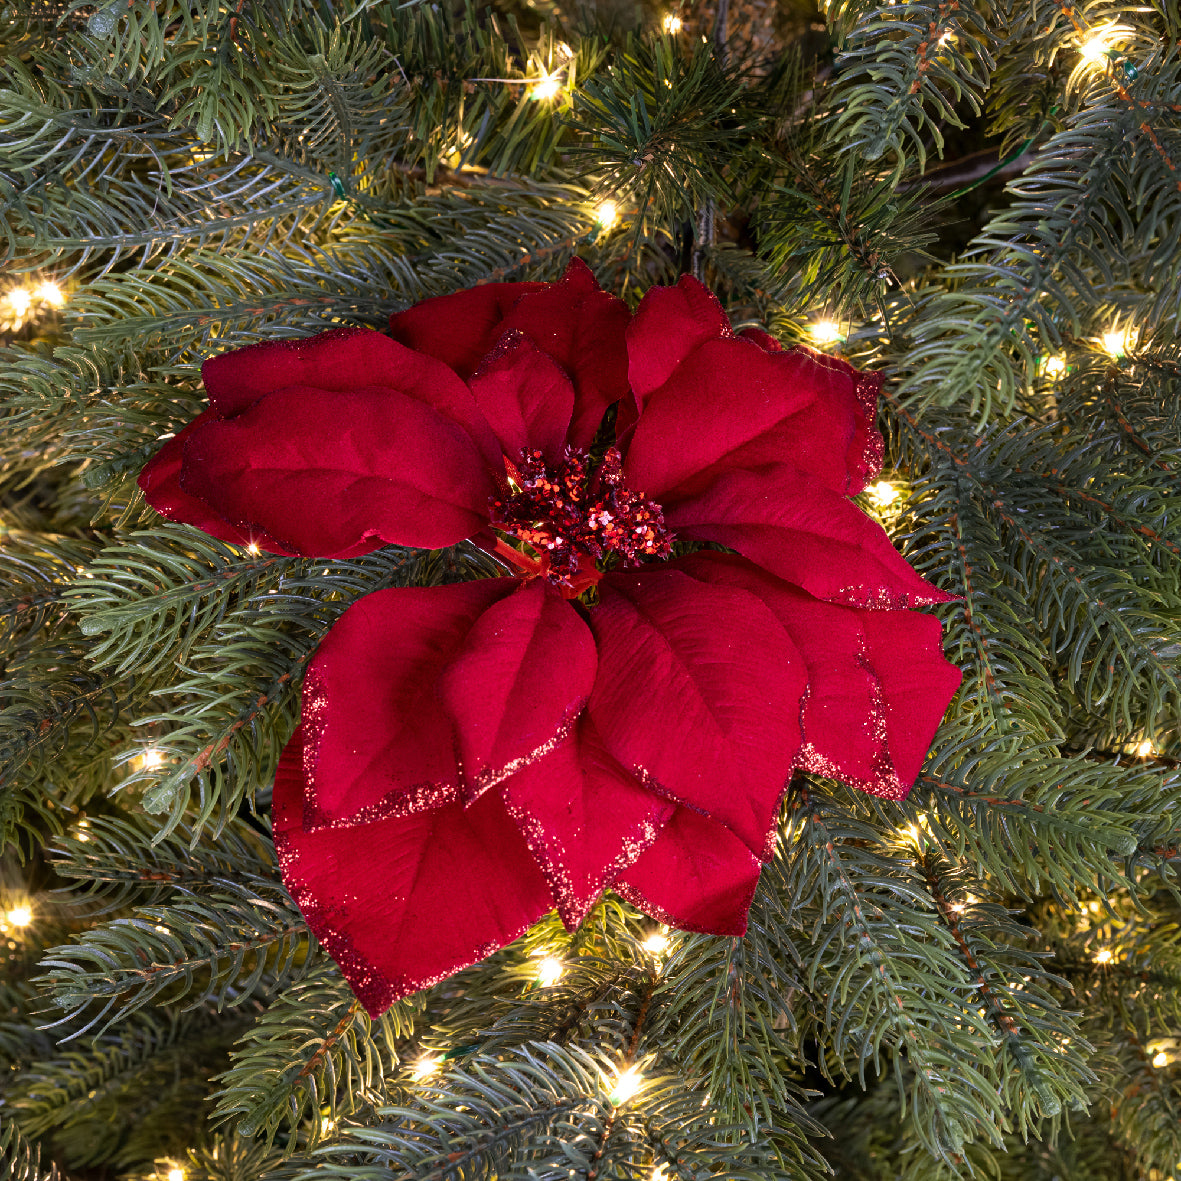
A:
(605, 715)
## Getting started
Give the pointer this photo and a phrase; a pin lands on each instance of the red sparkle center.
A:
(576, 519)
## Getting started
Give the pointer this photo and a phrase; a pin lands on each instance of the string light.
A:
(51, 294)
(882, 494)
(426, 1067)
(253, 549)
(1103, 956)
(176, 1175)
(659, 1173)
(606, 214)
(1117, 342)
(1160, 1059)
(1145, 749)
(152, 757)
(964, 903)
(1055, 366)
(626, 1085)
(549, 971)
(673, 24)
(21, 299)
(656, 943)
(19, 916)
(1095, 49)
(546, 87)
(826, 332)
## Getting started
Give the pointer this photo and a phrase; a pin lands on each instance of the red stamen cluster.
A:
(574, 517)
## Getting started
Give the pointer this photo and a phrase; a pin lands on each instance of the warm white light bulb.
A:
(1160, 1059)
(1145, 750)
(673, 23)
(51, 294)
(656, 943)
(826, 332)
(883, 493)
(1098, 45)
(547, 86)
(253, 549)
(606, 214)
(426, 1067)
(659, 1173)
(1117, 342)
(19, 916)
(1055, 366)
(176, 1175)
(549, 971)
(626, 1085)
(1103, 956)
(152, 757)
(20, 299)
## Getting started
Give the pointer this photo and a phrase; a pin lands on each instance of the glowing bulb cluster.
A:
(20, 300)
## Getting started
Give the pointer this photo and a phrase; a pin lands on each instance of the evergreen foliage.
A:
(981, 981)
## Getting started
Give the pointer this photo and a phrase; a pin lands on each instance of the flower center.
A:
(577, 520)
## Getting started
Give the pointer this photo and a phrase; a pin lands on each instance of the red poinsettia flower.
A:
(606, 714)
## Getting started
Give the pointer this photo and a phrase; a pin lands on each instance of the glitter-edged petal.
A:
(816, 410)
(878, 684)
(160, 482)
(379, 741)
(330, 473)
(697, 695)
(404, 902)
(584, 818)
(792, 525)
(580, 326)
(696, 876)
(517, 683)
(526, 398)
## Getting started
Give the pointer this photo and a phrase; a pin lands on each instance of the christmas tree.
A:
(966, 217)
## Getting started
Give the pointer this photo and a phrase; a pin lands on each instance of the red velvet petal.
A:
(698, 695)
(878, 684)
(572, 321)
(461, 328)
(697, 876)
(790, 524)
(526, 398)
(516, 685)
(670, 324)
(160, 481)
(332, 474)
(583, 329)
(730, 405)
(404, 902)
(584, 817)
(764, 340)
(380, 742)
